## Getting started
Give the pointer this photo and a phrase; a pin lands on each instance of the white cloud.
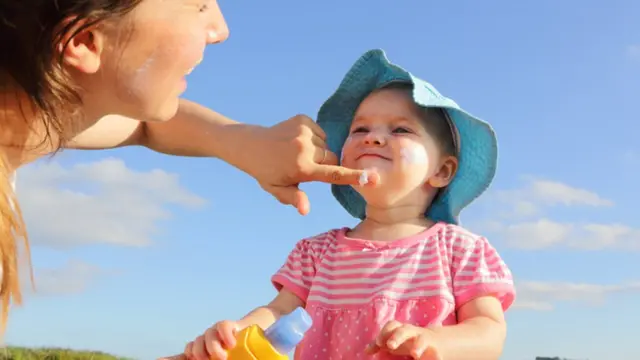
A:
(100, 202)
(543, 296)
(72, 278)
(535, 235)
(545, 233)
(556, 193)
(537, 194)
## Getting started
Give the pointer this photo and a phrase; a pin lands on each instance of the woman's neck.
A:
(23, 131)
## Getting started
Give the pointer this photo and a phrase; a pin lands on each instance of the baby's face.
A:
(387, 136)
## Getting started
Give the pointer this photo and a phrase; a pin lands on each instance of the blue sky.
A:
(162, 247)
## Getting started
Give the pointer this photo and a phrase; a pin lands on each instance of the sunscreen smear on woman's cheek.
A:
(414, 154)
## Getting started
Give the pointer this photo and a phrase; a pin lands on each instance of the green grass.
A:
(20, 353)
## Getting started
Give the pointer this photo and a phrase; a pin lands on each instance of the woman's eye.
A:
(401, 130)
(359, 129)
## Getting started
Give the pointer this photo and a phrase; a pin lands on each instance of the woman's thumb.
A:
(290, 195)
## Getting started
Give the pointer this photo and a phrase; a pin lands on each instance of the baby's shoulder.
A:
(457, 236)
(319, 243)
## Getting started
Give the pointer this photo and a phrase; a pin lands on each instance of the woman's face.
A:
(145, 57)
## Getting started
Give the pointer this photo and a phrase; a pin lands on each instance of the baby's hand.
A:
(406, 340)
(212, 344)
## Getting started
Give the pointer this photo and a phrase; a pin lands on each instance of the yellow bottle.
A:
(274, 343)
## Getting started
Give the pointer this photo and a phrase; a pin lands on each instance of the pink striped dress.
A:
(352, 287)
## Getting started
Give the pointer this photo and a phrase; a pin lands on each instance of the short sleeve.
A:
(298, 271)
(478, 270)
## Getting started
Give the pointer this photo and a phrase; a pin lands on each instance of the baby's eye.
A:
(359, 129)
(401, 130)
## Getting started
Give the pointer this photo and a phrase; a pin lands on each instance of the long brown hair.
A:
(31, 32)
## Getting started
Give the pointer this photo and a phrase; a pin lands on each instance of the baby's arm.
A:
(483, 290)
(479, 334)
(292, 281)
(264, 316)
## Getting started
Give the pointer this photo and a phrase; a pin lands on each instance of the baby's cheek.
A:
(414, 154)
(345, 149)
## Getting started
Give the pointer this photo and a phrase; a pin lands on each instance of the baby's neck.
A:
(391, 224)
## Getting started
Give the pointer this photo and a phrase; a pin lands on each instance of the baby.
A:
(407, 281)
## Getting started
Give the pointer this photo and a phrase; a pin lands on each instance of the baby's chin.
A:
(381, 196)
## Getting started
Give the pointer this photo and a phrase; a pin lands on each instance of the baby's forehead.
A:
(388, 105)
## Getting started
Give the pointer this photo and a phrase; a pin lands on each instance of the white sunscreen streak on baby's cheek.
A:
(346, 142)
(414, 155)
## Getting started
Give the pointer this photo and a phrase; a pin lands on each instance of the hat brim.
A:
(477, 141)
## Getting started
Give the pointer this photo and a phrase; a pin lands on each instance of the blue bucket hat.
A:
(478, 148)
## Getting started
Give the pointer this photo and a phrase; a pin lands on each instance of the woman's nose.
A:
(218, 31)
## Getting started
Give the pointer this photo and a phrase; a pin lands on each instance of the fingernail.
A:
(392, 344)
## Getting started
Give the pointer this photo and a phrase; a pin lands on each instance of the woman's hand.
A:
(406, 340)
(291, 152)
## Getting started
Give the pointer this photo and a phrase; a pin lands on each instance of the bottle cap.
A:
(286, 333)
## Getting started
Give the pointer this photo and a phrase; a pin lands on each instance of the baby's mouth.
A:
(372, 156)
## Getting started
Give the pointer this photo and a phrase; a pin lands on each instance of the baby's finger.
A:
(372, 348)
(226, 332)
(174, 357)
(401, 335)
(217, 351)
(188, 350)
(198, 349)
(386, 331)
(419, 346)
(212, 343)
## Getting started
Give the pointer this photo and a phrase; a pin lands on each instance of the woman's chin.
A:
(163, 111)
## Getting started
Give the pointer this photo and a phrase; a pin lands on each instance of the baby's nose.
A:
(376, 138)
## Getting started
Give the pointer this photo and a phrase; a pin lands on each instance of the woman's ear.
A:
(445, 174)
(81, 47)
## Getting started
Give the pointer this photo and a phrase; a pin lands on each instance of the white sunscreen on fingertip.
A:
(364, 179)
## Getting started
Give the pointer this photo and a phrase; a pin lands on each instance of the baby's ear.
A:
(445, 174)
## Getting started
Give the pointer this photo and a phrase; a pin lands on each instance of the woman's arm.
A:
(190, 133)
(278, 157)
